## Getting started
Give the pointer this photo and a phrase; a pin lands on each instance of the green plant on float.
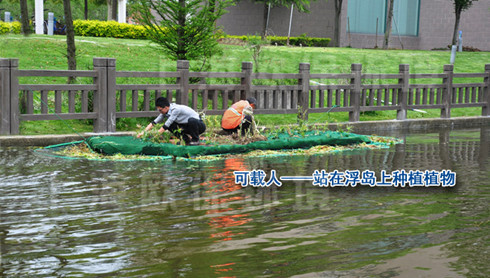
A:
(154, 136)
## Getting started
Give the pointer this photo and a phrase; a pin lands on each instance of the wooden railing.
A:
(106, 98)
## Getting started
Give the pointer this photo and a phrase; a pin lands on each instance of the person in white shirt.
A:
(178, 117)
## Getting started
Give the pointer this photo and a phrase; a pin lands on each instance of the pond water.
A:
(78, 218)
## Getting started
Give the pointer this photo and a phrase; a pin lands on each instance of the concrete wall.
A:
(436, 24)
(247, 18)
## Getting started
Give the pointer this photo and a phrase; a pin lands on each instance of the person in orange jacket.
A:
(239, 116)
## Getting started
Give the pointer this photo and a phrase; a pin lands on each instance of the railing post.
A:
(304, 85)
(447, 91)
(4, 96)
(246, 81)
(404, 71)
(486, 92)
(111, 95)
(14, 97)
(100, 98)
(355, 93)
(183, 82)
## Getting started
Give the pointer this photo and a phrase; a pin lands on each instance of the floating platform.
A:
(129, 147)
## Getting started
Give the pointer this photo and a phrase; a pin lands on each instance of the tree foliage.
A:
(185, 29)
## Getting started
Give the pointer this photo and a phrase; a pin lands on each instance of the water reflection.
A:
(81, 218)
(224, 192)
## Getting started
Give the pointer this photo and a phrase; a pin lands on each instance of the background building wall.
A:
(247, 18)
(436, 23)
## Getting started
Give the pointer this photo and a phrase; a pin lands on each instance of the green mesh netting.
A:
(128, 145)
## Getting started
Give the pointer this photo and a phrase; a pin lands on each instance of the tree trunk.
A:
(181, 51)
(85, 10)
(389, 19)
(114, 9)
(70, 39)
(111, 10)
(338, 11)
(24, 14)
(266, 15)
(456, 27)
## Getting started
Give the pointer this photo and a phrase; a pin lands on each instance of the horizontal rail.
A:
(468, 85)
(275, 87)
(58, 87)
(380, 76)
(470, 75)
(216, 74)
(331, 76)
(136, 114)
(379, 108)
(331, 109)
(464, 105)
(426, 86)
(64, 116)
(216, 87)
(330, 87)
(425, 106)
(381, 86)
(427, 75)
(141, 87)
(58, 73)
(276, 75)
(276, 111)
(147, 74)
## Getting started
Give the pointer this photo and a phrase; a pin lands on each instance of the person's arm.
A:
(173, 114)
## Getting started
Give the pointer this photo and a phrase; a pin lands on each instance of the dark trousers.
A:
(245, 126)
(192, 128)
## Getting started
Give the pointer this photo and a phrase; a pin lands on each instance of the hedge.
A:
(13, 27)
(113, 29)
(302, 40)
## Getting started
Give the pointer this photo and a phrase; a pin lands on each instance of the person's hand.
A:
(139, 135)
(161, 130)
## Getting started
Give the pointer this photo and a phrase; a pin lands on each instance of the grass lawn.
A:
(43, 52)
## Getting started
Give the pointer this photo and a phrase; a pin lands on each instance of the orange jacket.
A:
(233, 116)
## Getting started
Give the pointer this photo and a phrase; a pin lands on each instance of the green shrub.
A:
(13, 27)
(113, 29)
(302, 40)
